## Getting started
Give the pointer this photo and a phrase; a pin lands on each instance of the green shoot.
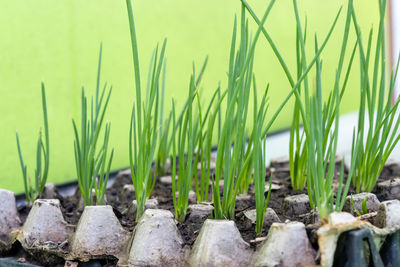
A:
(163, 151)
(294, 85)
(165, 143)
(364, 206)
(377, 132)
(297, 140)
(143, 133)
(188, 132)
(298, 148)
(321, 129)
(185, 145)
(231, 145)
(259, 160)
(204, 138)
(91, 157)
(244, 177)
(33, 192)
(202, 143)
(353, 206)
(319, 182)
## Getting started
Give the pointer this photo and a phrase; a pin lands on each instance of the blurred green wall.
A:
(58, 42)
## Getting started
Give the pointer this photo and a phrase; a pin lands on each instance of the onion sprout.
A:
(259, 159)
(163, 151)
(244, 174)
(143, 133)
(204, 137)
(229, 163)
(374, 145)
(91, 157)
(42, 159)
(188, 132)
(185, 145)
(321, 126)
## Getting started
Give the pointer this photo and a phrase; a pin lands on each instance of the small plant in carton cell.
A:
(236, 166)
(144, 132)
(321, 125)
(35, 190)
(373, 145)
(187, 132)
(229, 163)
(259, 159)
(363, 206)
(185, 140)
(244, 177)
(203, 139)
(91, 155)
(163, 150)
(320, 120)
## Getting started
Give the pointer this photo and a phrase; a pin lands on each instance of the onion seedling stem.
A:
(373, 146)
(91, 157)
(143, 133)
(32, 192)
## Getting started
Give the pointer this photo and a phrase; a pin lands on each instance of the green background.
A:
(58, 42)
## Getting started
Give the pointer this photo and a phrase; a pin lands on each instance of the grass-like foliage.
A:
(295, 85)
(321, 125)
(297, 141)
(186, 151)
(363, 206)
(378, 121)
(143, 134)
(320, 120)
(204, 131)
(164, 147)
(259, 153)
(202, 136)
(231, 145)
(298, 146)
(187, 137)
(34, 191)
(245, 161)
(91, 155)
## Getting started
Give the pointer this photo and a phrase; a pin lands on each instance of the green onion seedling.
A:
(320, 191)
(163, 151)
(232, 142)
(203, 138)
(363, 206)
(298, 147)
(297, 141)
(378, 121)
(91, 156)
(32, 192)
(165, 143)
(186, 138)
(186, 144)
(321, 125)
(259, 159)
(244, 177)
(143, 133)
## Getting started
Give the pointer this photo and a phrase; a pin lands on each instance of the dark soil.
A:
(191, 228)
